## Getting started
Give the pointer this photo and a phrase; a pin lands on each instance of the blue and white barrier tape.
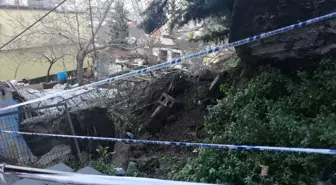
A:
(200, 145)
(179, 60)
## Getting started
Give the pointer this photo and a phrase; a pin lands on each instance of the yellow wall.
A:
(30, 64)
(26, 53)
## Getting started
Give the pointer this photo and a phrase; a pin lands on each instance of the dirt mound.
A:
(182, 120)
(190, 96)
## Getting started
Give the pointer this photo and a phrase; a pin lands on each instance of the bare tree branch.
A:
(86, 46)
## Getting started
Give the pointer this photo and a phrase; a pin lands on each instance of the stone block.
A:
(28, 182)
(167, 100)
(60, 167)
(88, 170)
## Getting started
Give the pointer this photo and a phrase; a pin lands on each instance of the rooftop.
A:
(19, 7)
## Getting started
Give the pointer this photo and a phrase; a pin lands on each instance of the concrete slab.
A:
(89, 170)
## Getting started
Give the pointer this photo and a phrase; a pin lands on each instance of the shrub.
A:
(272, 110)
(103, 163)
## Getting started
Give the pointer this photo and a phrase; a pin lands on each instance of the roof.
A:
(19, 7)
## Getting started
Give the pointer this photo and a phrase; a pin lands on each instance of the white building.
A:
(43, 3)
(14, 2)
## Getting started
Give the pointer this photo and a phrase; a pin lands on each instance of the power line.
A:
(40, 19)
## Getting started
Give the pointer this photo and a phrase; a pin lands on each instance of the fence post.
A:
(73, 133)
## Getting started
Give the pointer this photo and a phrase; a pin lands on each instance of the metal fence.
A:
(37, 151)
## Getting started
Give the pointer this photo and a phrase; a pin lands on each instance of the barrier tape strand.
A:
(171, 143)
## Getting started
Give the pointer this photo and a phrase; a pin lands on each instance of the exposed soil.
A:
(186, 118)
(184, 122)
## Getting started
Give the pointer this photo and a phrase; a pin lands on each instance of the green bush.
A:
(274, 109)
(103, 163)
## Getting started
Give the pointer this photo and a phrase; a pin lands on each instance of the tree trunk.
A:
(48, 72)
(16, 71)
(85, 50)
(80, 70)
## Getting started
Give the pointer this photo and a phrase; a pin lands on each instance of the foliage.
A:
(103, 163)
(118, 25)
(233, 61)
(274, 109)
(133, 171)
(73, 163)
(154, 16)
(216, 12)
(172, 165)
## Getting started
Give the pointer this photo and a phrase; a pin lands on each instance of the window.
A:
(176, 55)
(163, 54)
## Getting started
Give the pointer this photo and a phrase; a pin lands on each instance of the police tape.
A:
(179, 60)
(172, 143)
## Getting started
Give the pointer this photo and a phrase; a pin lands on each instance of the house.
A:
(191, 31)
(31, 3)
(14, 2)
(115, 60)
(53, 38)
(42, 3)
(151, 49)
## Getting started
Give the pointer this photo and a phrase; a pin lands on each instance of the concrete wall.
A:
(171, 53)
(25, 57)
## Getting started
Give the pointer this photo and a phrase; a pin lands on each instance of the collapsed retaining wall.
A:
(299, 46)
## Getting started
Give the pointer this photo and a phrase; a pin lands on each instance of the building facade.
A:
(42, 3)
(31, 3)
(28, 56)
(14, 2)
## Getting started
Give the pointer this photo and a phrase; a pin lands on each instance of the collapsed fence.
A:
(36, 151)
(41, 151)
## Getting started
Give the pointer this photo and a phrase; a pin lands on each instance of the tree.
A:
(39, 44)
(216, 13)
(16, 62)
(84, 49)
(118, 28)
(120, 31)
(53, 54)
(69, 25)
(155, 16)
